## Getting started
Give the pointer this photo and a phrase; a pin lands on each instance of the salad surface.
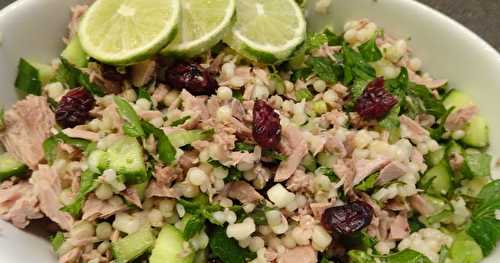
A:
(221, 131)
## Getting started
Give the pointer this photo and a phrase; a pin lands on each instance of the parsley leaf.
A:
(28, 80)
(243, 147)
(50, 145)
(193, 226)
(325, 69)
(368, 183)
(165, 149)
(133, 127)
(303, 94)
(329, 173)
(427, 103)
(57, 240)
(180, 121)
(70, 75)
(355, 66)
(333, 39)
(485, 228)
(227, 249)
(405, 256)
(88, 183)
(370, 51)
(142, 93)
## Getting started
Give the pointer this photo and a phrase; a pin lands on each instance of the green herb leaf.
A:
(329, 173)
(180, 121)
(57, 240)
(273, 155)
(333, 39)
(427, 102)
(89, 86)
(325, 69)
(303, 94)
(405, 256)
(315, 41)
(234, 175)
(437, 133)
(277, 82)
(183, 138)
(28, 80)
(370, 51)
(50, 145)
(142, 93)
(355, 67)
(244, 147)
(70, 75)
(88, 183)
(201, 206)
(227, 249)
(368, 183)
(485, 228)
(165, 149)
(193, 226)
(302, 73)
(391, 121)
(133, 127)
(415, 224)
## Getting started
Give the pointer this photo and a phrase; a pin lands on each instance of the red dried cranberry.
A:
(376, 101)
(348, 218)
(193, 78)
(266, 125)
(74, 108)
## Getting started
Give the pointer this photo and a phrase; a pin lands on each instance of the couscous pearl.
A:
(224, 93)
(330, 97)
(143, 104)
(197, 176)
(280, 196)
(167, 207)
(155, 218)
(170, 97)
(104, 192)
(228, 69)
(104, 230)
(55, 90)
(319, 85)
(242, 230)
(224, 114)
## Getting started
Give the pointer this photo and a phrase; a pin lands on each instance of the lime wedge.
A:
(267, 30)
(123, 32)
(204, 23)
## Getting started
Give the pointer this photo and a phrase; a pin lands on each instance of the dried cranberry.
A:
(348, 218)
(376, 101)
(74, 108)
(191, 77)
(266, 125)
(111, 73)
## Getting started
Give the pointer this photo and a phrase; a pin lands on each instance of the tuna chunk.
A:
(392, 171)
(28, 124)
(81, 134)
(243, 192)
(47, 186)
(293, 140)
(418, 203)
(300, 182)
(318, 209)
(365, 167)
(459, 118)
(19, 204)
(305, 254)
(412, 130)
(71, 256)
(156, 189)
(399, 227)
(95, 208)
(132, 196)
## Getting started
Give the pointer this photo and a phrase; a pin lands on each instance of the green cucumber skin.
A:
(10, 167)
(441, 176)
(168, 246)
(133, 245)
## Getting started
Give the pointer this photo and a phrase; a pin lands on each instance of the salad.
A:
(222, 131)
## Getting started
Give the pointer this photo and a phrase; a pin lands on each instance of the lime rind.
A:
(127, 56)
(265, 52)
(209, 39)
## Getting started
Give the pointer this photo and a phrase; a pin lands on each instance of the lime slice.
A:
(267, 30)
(204, 23)
(126, 31)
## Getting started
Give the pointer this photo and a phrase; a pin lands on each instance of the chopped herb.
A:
(278, 83)
(301, 74)
(57, 240)
(315, 41)
(329, 173)
(355, 67)
(309, 163)
(238, 94)
(244, 147)
(303, 94)
(425, 101)
(50, 145)
(333, 39)
(227, 249)
(133, 127)
(200, 206)
(193, 226)
(28, 80)
(89, 86)
(391, 121)
(259, 215)
(415, 224)
(88, 183)
(73, 77)
(437, 133)
(485, 228)
(165, 149)
(234, 175)
(368, 183)
(325, 69)
(370, 51)
(405, 256)
(180, 121)
(273, 155)
(142, 93)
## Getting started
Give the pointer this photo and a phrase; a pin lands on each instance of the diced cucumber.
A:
(45, 72)
(183, 138)
(309, 163)
(454, 148)
(434, 158)
(74, 53)
(126, 157)
(98, 161)
(437, 180)
(10, 166)
(141, 189)
(458, 100)
(476, 164)
(438, 204)
(465, 250)
(477, 133)
(169, 246)
(133, 245)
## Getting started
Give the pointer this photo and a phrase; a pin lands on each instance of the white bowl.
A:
(34, 28)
